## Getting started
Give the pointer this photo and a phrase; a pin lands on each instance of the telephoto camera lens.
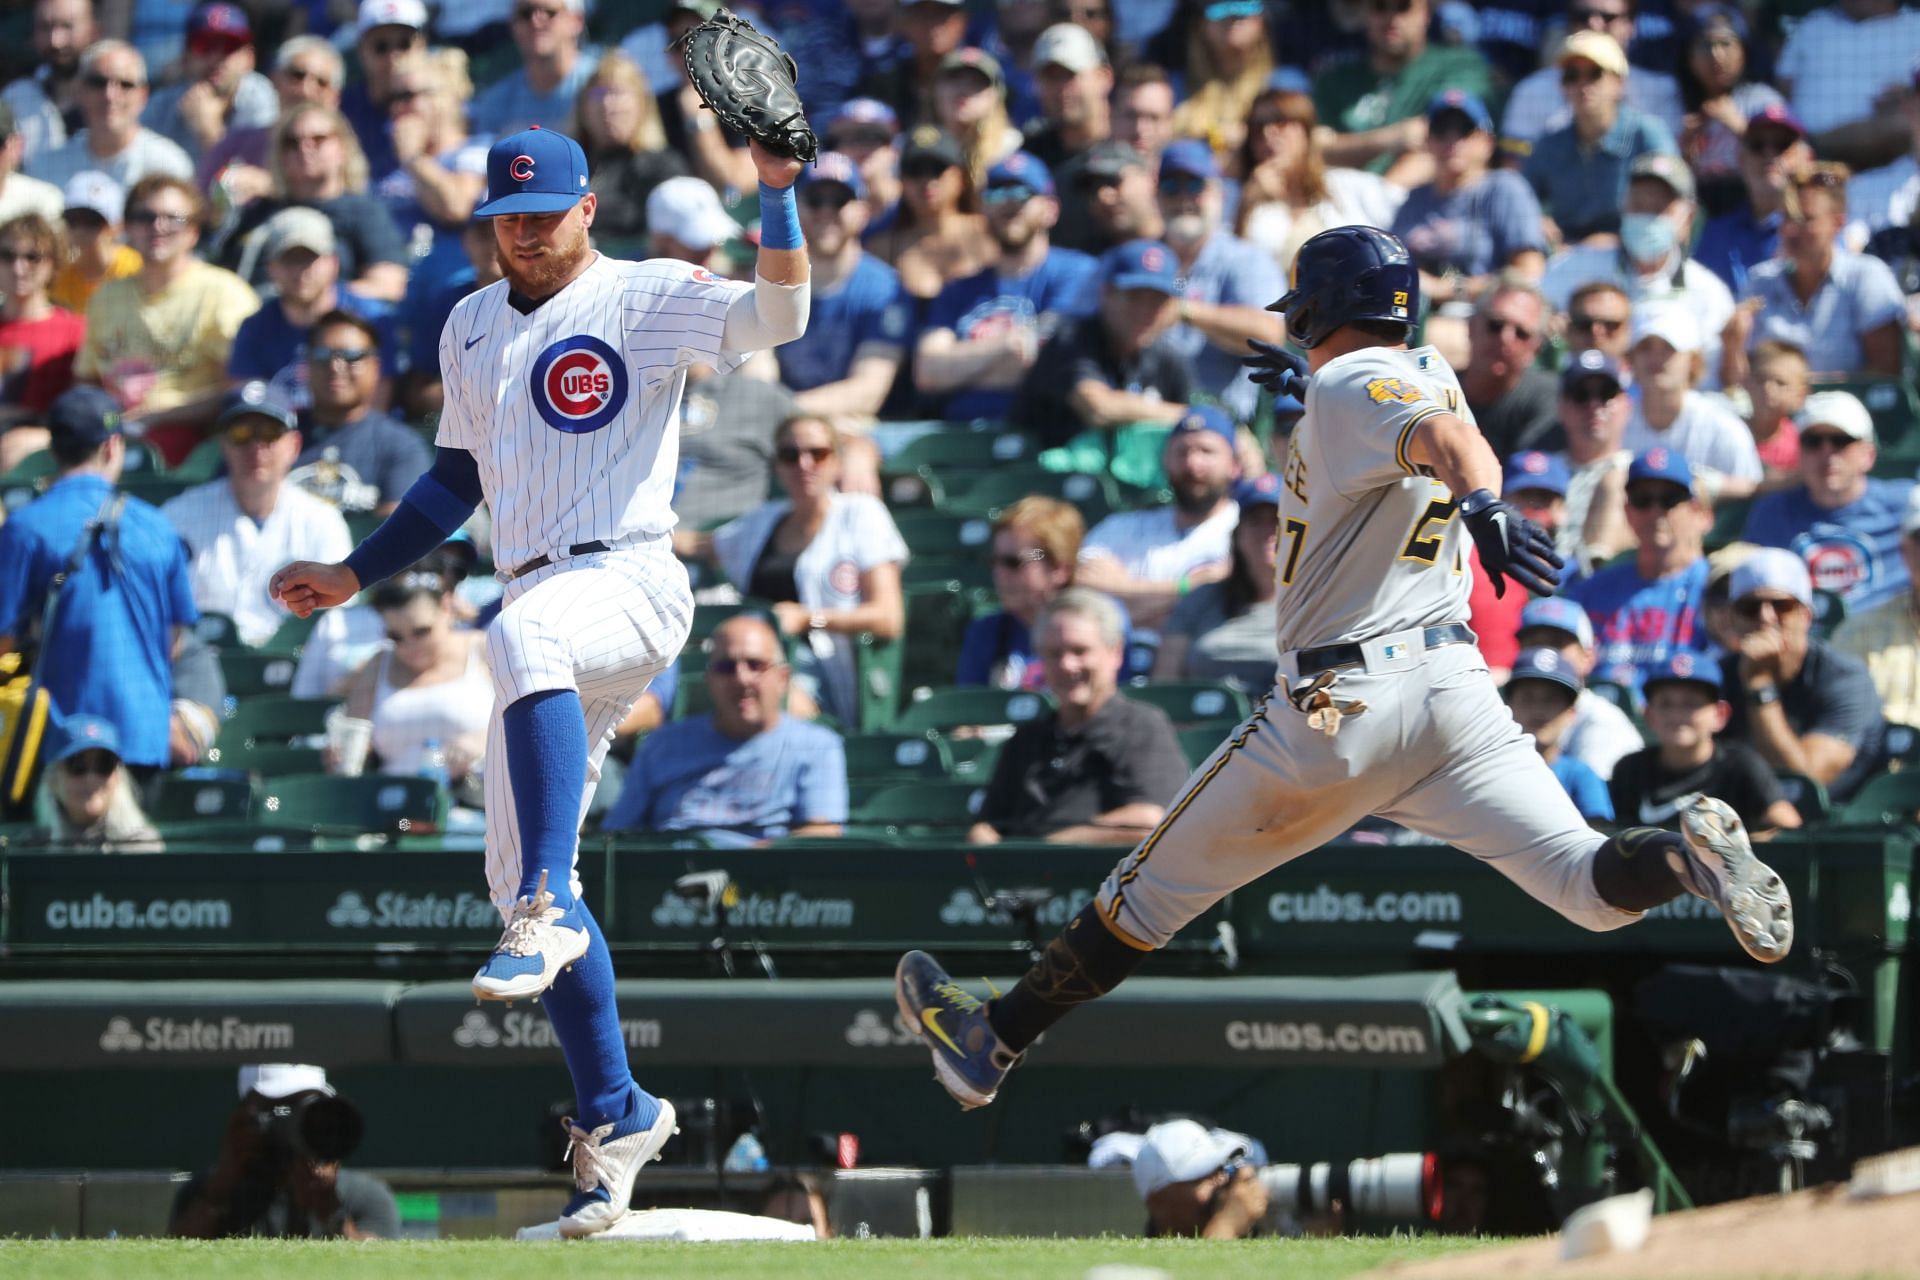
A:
(1403, 1187)
(318, 1127)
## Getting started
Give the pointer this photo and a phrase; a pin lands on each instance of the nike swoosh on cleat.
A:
(929, 1018)
(471, 341)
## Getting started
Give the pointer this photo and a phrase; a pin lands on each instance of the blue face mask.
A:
(1646, 236)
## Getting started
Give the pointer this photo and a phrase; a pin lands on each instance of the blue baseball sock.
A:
(581, 1007)
(547, 770)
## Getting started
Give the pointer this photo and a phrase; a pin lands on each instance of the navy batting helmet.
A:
(1347, 274)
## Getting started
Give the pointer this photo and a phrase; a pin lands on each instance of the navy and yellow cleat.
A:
(968, 1058)
(1720, 867)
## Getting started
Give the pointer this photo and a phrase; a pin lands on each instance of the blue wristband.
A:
(779, 219)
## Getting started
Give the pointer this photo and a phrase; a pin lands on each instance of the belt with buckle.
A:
(541, 562)
(1328, 656)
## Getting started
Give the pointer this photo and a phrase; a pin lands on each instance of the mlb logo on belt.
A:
(1394, 651)
(578, 385)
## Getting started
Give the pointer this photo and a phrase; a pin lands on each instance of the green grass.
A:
(996, 1259)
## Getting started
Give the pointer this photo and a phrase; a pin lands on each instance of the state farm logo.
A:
(195, 1035)
(392, 909)
(964, 909)
(871, 1029)
(349, 912)
(522, 1029)
(476, 1031)
(787, 910)
(120, 1037)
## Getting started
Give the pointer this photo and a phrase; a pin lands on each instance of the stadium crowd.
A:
(1672, 248)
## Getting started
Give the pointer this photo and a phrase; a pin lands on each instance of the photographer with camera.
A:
(279, 1169)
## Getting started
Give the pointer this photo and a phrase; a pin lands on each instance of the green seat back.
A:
(1189, 702)
(1888, 799)
(275, 720)
(202, 800)
(936, 806)
(377, 802)
(877, 757)
(954, 708)
(250, 673)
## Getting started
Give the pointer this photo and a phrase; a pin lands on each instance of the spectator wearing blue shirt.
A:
(983, 332)
(1733, 244)
(304, 264)
(352, 454)
(743, 773)
(1841, 520)
(1647, 610)
(554, 65)
(1035, 548)
(1470, 222)
(121, 612)
(1225, 282)
(425, 316)
(1541, 693)
(846, 362)
(388, 35)
(1580, 172)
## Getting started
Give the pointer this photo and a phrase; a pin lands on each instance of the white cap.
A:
(283, 1079)
(1120, 1148)
(1772, 569)
(1668, 320)
(391, 13)
(1838, 410)
(92, 189)
(1180, 1151)
(297, 227)
(689, 210)
(1069, 46)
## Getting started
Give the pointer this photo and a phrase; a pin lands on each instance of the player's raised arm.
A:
(776, 310)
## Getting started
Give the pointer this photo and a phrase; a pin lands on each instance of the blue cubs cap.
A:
(1661, 463)
(1561, 614)
(1257, 491)
(1190, 156)
(870, 111)
(1205, 417)
(84, 733)
(84, 415)
(255, 399)
(1536, 470)
(833, 166)
(534, 171)
(1021, 169)
(1464, 103)
(1684, 668)
(1140, 264)
(1591, 363)
(1547, 665)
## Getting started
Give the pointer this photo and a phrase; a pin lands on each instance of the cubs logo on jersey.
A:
(578, 385)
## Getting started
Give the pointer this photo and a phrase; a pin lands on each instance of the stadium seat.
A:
(384, 803)
(972, 572)
(218, 630)
(1829, 611)
(1890, 799)
(973, 756)
(273, 720)
(1198, 742)
(267, 760)
(291, 636)
(962, 448)
(929, 806)
(937, 618)
(154, 487)
(988, 493)
(943, 533)
(1619, 695)
(215, 837)
(890, 757)
(249, 673)
(708, 616)
(1188, 702)
(362, 523)
(1806, 795)
(876, 666)
(183, 799)
(31, 470)
(200, 465)
(942, 710)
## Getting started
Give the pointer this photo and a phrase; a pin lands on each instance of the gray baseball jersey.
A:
(1369, 543)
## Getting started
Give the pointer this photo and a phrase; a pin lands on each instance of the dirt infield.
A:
(1821, 1232)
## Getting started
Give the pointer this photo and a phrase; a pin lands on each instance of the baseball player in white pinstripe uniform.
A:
(563, 383)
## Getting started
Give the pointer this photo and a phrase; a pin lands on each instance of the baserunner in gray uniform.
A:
(1383, 704)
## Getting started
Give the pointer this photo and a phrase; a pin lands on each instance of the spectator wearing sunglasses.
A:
(86, 800)
(846, 362)
(1579, 171)
(1600, 318)
(1805, 706)
(744, 773)
(38, 340)
(1773, 147)
(555, 65)
(113, 94)
(241, 527)
(352, 453)
(303, 262)
(1840, 519)
(1035, 550)
(1593, 409)
(1538, 105)
(388, 37)
(1887, 636)
(935, 234)
(218, 87)
(306, 69)
(1511, 399)
(1646, 610)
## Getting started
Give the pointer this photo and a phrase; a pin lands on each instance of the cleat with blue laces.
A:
(968, 1057)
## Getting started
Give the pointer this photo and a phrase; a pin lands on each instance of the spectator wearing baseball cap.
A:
(1601, 732)
(18, 193)
(1151, 560)
(931, 235)
(686, 220)
(95, 252)
(1541, 694)
(1113, 199)
(1538, 104)
(1886, 637)
(1579, 171)
(88, 802)
(845, 363)
(1074, 85)
(219, 88)
(555, 63)
(1805, 706)
(1774, 145)
(1113, 368)
(984, 331)
(1593, 409)
(1668, 363)
(1650, 607)
(1844, 522)
(1224, 630)
(1845, 310)
(1687, 714)
(864, 130)
(113, 635)
(1471, 221)
(1228, 282)
(970, 103)
(387, 36)
(1196, 1180)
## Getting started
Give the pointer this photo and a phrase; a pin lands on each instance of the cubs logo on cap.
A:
(579, 385)
(534, 171)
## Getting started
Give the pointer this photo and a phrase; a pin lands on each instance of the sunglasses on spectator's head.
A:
(100, 764)
(242, 434)
(791, 454)
(738, 666)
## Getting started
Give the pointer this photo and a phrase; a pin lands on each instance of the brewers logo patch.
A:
(579, 385)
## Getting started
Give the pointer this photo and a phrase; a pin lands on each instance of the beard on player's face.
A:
(552, 262)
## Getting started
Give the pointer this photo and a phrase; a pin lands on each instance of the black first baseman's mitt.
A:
(750, 83)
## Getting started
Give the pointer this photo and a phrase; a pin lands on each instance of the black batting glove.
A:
(1510, 545)
(1277, 369)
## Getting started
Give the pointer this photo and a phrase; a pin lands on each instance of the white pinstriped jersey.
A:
(1369, 543)
(568, 409)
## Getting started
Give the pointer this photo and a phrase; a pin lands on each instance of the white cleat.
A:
(1721, 868)
(604, 1168)
(538, 943)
